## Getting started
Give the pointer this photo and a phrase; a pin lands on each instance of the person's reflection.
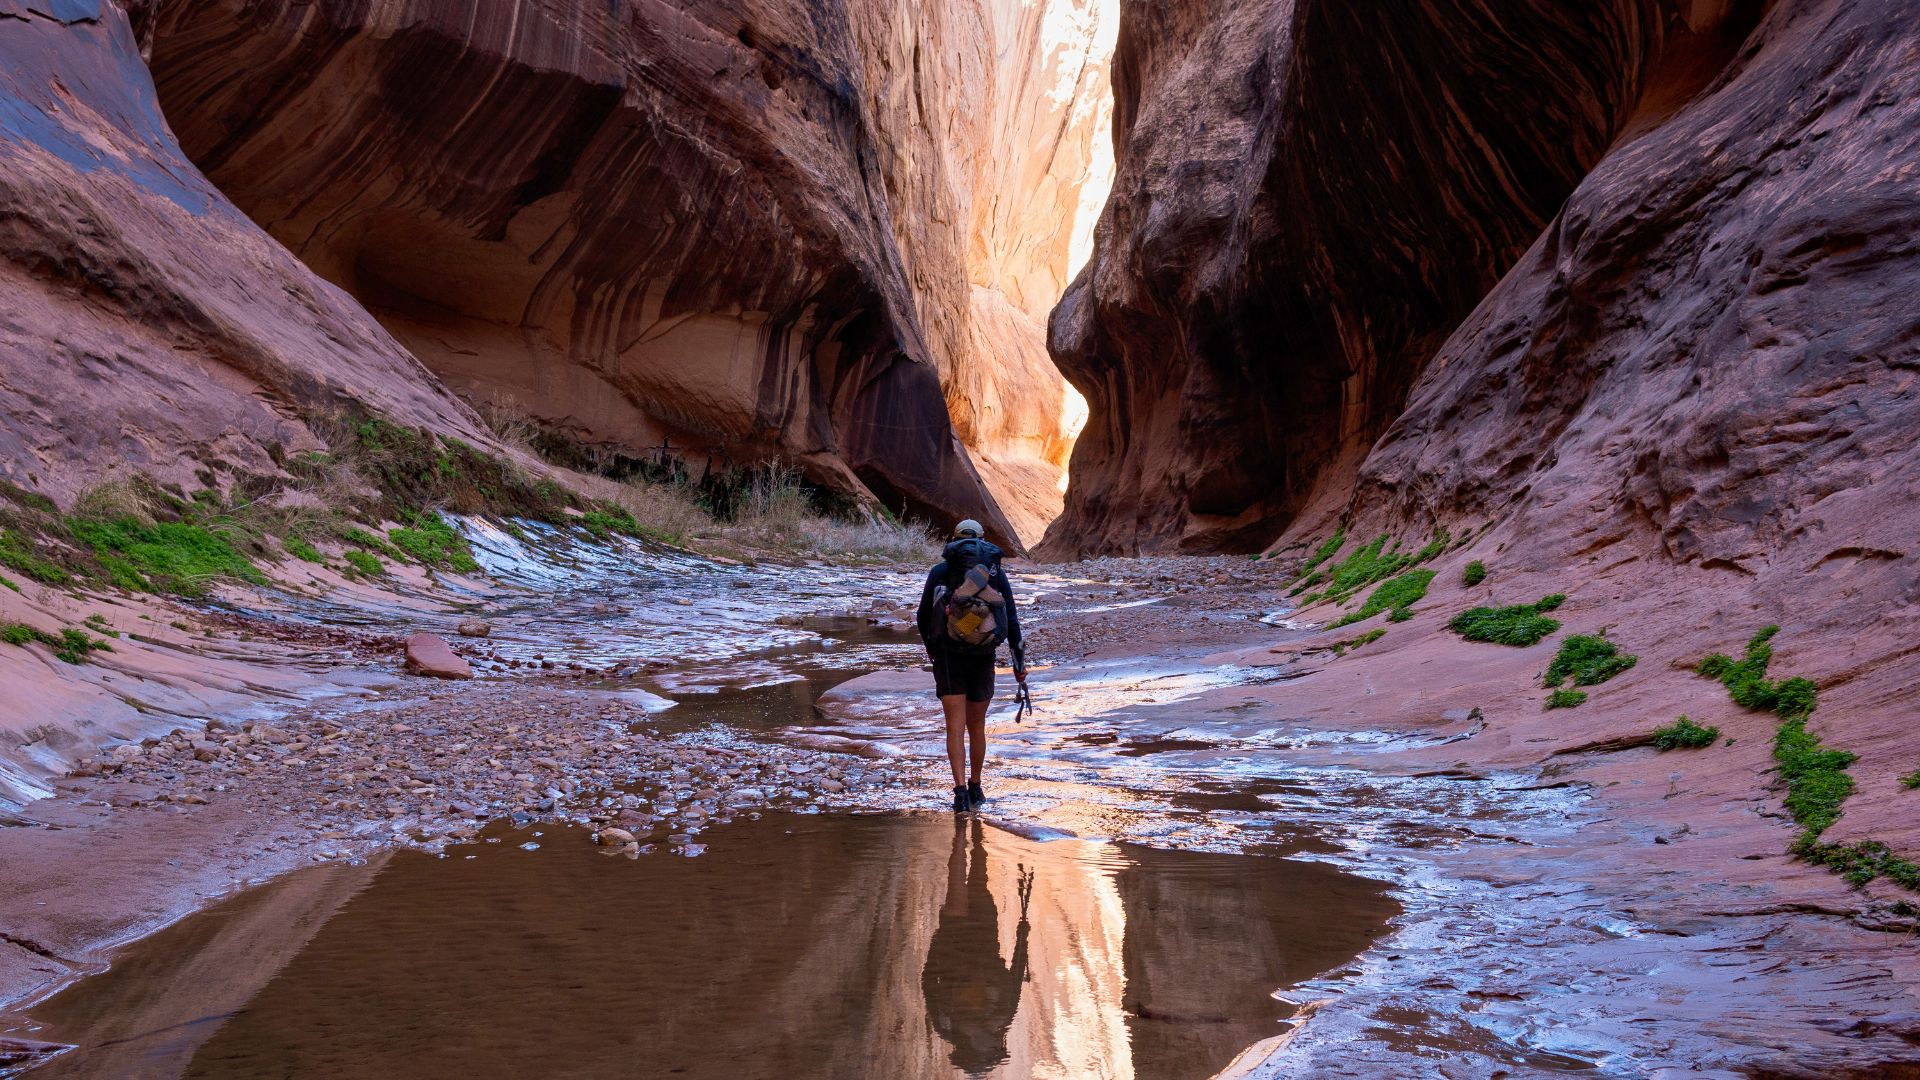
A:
(971, 997)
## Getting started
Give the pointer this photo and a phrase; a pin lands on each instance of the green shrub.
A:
(174, 557)
(1565, 699)
(1816, 775)
(71, 644)
(1519, 625)
(302, 550)
(1818, 784)
(19, 554)
(364, 562)
(430, 541)
(1340, 647)
(1911, 780)
(1588, 661)
(602, 522)
(1684, 734)
(1374, 562)
(32, 500)
(1397, 596)
(1475, 573)
(417, 471)
(1326, 550)
(1861, 862)
(361, 538)
(1746, 681)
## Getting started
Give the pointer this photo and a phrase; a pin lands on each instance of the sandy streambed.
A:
(1544, 923)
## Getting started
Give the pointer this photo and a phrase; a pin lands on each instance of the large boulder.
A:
(430, 655)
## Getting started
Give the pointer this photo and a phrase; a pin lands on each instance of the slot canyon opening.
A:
(710, 236)
(1294, 242)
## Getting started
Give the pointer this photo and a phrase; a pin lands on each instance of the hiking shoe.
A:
(960, 802)
(975, 796)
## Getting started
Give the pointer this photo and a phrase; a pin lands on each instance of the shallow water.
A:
(798, 946)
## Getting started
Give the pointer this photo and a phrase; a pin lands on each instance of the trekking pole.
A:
(1022, 697)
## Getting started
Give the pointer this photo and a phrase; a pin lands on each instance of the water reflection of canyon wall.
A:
(798, 947)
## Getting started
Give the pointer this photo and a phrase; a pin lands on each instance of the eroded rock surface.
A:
(996, 121)
(1308, 200)
(148, 324)
(1713, 342)
(749, 230)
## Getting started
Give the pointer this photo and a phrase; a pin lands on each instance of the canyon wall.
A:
(149, 324)
(822, 232)
(1619, 296)
(1715, 341)
(998, 154)
(1629, 269)
(745, 229)
(1308, 201)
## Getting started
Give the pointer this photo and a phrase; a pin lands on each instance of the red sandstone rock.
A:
(734, 228)
(728, 226)
(148, 324)
(1309, 198)
(428, 655)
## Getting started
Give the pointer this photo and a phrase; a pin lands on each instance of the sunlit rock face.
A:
(998, 151)
(1309, 200)
(825, 232)
(149, 324)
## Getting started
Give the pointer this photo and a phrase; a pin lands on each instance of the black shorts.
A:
(963, 673)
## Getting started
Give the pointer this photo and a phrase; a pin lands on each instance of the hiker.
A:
(966, 611)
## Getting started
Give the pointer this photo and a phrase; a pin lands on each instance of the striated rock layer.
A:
(996, 117)
(823, 232)
(149, 324)
(1308, 201)
(744, 229)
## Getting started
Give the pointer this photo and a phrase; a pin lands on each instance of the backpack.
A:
(970, 614)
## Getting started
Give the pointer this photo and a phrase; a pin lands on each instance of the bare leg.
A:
(977, 733)
(955, 706)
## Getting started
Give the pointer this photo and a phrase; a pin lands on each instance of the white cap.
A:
(969, 527)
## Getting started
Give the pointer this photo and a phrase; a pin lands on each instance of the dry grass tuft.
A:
(117, 498)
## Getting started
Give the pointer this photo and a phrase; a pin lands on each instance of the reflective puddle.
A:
(908, 945)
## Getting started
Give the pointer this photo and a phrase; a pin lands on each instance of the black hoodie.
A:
(947, 572)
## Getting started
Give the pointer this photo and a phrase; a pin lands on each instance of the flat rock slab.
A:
(428, 655)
